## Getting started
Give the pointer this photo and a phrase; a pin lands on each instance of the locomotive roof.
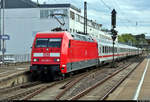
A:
(82, 37)
(48, 33)
(75, 36)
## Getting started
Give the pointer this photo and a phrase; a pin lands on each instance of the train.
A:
(56, 54)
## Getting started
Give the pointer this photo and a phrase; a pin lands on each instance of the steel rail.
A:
(81, 94)
(39, 90)
(69, 86)
(25, 85)
(113, 88)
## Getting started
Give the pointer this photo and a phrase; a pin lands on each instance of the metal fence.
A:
(17, 57)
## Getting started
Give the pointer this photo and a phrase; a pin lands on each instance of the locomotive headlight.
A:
(56, 59)
(35, 60)
(63, 65)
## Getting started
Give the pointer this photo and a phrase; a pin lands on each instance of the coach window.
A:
(103, 49)
(110, 49)
(107, 49)
(100, 49)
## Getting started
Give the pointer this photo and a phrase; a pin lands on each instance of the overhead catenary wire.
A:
(126, 20)
(121, 11)
(136, 24)
(106, 5)
(120, 19)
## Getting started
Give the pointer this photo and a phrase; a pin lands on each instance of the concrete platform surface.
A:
(136, 86)
(13, 75)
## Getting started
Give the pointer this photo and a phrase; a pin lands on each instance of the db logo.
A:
(46, 54)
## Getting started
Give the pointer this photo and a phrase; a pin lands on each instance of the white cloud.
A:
(133, 30)
(128, 13)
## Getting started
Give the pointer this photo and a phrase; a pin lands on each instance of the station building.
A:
(24, 18)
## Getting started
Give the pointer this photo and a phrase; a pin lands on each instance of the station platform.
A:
(13, 74)
(136, 86)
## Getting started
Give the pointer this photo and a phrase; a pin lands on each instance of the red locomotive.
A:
(57, 53)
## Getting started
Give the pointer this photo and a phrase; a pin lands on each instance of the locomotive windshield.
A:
(48, 42)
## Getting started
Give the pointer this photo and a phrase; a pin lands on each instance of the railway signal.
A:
(85, 18)
(114, 32)
(113, 18)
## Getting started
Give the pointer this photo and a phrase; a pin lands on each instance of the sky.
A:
(133, 16)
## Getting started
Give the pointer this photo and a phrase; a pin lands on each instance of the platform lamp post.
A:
(0, 23)
(114, 32)
(3, 41)
(85, 17)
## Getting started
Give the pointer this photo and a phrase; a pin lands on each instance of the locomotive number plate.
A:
(46, 54)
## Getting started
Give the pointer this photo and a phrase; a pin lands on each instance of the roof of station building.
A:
(10, 4)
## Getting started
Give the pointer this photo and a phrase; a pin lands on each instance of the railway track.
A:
(29, 90)
(60, 86)
(69, 88)
(10, 93)
(103, 88)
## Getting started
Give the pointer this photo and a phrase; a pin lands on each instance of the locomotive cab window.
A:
(41, 42)
(48, 42)
(54, 42)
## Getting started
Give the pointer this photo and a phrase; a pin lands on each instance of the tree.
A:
(132, 39)
(127, 38)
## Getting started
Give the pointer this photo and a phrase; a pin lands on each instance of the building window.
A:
(51, 12)
(78, 18)
(72, 15)
(70, 30)
(44, 13)
(81, 19)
